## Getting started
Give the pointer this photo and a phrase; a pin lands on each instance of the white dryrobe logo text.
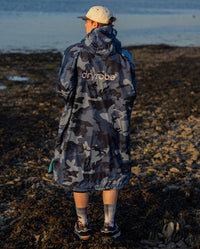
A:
(100, 76)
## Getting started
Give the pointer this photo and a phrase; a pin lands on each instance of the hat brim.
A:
(83, 17)
(113, 19)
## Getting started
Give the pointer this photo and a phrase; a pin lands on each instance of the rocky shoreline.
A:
(160, 208)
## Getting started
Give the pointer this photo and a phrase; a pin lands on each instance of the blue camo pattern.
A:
(97, 81)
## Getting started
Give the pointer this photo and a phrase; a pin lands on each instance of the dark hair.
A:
(112, 19)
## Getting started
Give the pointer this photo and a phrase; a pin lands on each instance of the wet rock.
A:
(149, 243)
(181, 244)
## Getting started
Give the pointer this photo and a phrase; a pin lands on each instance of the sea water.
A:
(27, 25)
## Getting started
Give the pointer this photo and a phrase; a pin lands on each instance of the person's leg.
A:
(110, 202)
(82, 229)
(81, 203)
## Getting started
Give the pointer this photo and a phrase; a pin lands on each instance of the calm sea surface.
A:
(27, 25)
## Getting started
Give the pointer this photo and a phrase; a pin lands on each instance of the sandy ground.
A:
(160, 207)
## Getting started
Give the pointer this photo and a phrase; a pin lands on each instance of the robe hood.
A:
(102, 41)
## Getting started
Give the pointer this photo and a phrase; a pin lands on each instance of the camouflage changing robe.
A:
(97, 81)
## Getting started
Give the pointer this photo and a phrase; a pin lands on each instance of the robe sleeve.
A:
(129, 57)
(67, 77)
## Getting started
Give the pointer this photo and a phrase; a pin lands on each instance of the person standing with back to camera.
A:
(92, 153)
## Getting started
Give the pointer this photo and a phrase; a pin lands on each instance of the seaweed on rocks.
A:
(160, 206)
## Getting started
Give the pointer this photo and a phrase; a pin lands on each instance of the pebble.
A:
(149, 242)
(181, 244)
(174, 170)
(178, 146)
(171, 245)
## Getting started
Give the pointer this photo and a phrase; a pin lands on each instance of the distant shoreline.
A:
(130, 47)
(48, 31)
